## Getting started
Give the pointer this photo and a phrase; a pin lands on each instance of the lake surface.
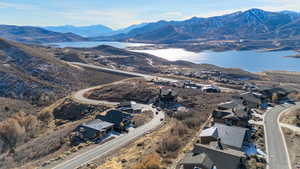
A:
(253, 61)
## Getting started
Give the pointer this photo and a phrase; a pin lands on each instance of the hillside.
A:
(252, 24)
(29, 34)
(32, 73)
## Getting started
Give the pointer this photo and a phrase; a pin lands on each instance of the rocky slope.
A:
(32, 73)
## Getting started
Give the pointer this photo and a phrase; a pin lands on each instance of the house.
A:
(211, 89)
(190, 84)
(231, 136)
(196, 160)
(119, 119)
(166, 98)
(129, 107)
(94, 129)
(229, 105)
(213, 155)
(280, 93)
(251, 100)
(232, 113)
(208, 135)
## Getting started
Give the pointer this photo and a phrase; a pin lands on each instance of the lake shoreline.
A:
(257, 60)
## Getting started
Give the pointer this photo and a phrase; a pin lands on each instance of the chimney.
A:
(220, 144)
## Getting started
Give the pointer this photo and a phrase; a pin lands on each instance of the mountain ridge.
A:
(31, 34)
(254, 24)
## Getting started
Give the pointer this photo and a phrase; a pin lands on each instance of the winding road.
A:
(278, 157)
(121, 141)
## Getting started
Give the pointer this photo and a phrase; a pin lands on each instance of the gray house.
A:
(196, 161)
(94, 129)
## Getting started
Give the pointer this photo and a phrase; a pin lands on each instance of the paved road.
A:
(119, 142)
(135, 74)
(276, 147)
(104, 149)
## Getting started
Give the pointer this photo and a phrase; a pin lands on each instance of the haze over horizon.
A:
(119, 14)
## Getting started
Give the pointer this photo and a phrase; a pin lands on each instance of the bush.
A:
(151, 161)
(169, 146)
(18, 129)
(45, 116)
(180, 129)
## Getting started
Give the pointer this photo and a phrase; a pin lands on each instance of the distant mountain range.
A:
(85, 31)
(93, 30)
(251, 24)
(30, 34)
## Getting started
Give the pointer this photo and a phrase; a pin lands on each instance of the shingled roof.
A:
(97, 124)
(231, 135)
(200, 160)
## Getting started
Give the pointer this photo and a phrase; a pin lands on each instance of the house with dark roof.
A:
(251, 100)
(232, 113)
(94, 129)
(196, 160)
(166, 98)
(119, 119)
(211, 89)
(129, 107)
(219, 148)
(231, 136)
(220, 158)
(280, 93)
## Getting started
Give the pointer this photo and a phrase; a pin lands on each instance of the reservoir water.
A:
(254, 61)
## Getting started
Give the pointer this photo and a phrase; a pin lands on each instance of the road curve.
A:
(278, 157)
(119, 142)
(134, 74)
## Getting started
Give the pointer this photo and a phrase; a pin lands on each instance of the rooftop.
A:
(224, 159)
(97, 124)
(200, 159)
(212, 131)
(231, 135)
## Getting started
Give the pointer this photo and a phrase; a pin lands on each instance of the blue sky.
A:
(122, 13)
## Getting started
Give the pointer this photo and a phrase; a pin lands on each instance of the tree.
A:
(274, 98)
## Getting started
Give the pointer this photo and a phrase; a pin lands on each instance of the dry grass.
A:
(293, 141)
(291, 117)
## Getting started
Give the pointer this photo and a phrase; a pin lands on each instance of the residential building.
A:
(280, 93)
(251, 100)
(208, 135)
(229, 136)
(119, 119)
(221, 158)
(130, 107)
(232, 113)
(211, 89)
(94, 129)
(166, 98)
(196, 161)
